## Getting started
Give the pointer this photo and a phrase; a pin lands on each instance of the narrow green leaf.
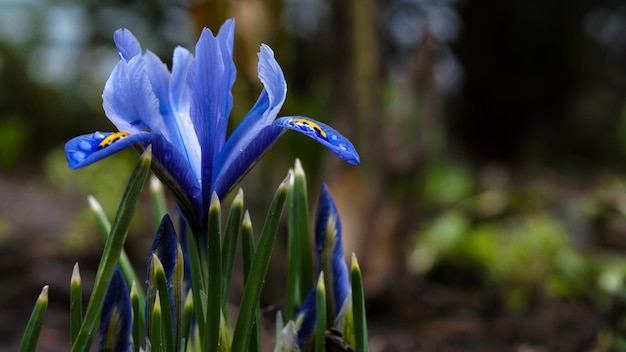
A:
(158, 199)
(358, 306)
(164, 298)
(135, 302)
(156, 329)
(214, 305)
(301, 211)
(112, 251)
(320, 314)
(31, 335)
(76, 303)
(229, 249)
(247, 244)
(177, 290)
(124, 262)
(187, 315)
(260, 263)
(196, 289)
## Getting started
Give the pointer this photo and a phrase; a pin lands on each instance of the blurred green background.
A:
(489, 212)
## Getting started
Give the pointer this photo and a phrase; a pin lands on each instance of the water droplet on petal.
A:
(84, 145)
(98, 136)
(77, 156)
(343, 147)
(195, 191)
(333, 137)
(168, 156)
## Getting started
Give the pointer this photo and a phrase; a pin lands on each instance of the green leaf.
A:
(158, 277)
(260, 263)
(214, 305)
(135, 302)
(112, 250)
(156, 329)
(247, 244)
(229, 249)
(31, 335)
(187, 316)
(158, 199)
(197, 287)
(320, 314)
(76, 303)
(124, 262)
(177, 290)
(358, 307)
(299, 267)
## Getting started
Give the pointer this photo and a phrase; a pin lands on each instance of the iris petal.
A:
(305, 318)
(116, 317)
(260, 116)
(128, 99)
(324, 134)
(127, 45)
(209, 90)
(86, 149)
(169, 165)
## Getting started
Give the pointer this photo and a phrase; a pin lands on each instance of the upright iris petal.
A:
(184, 115)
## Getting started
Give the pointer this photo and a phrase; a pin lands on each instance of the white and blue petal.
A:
(116, 317)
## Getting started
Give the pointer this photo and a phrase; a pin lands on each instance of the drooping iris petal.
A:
(89, 148)
(127, 45)
(322, 133)
(232, 165)
(128, 99)
(260, 116)
(209, 91)
(117, 317)
(168, 164)
(330, 253)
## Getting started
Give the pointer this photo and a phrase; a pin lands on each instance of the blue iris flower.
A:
(183, 114)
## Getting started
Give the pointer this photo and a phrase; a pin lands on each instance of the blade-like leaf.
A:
(229, 249)
(124, 262)
(260, 263)
(31, 335)
(247, 244)
(358, 306)
(112, 251)
(76, 303)
(320, 312)
(136, 304)
(214, 306)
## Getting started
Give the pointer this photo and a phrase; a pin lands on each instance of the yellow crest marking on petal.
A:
(112, 138)
(312, 125)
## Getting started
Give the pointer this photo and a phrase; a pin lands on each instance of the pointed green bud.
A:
(320, 310)
(358, 303)
(76, 303)
(31, 335)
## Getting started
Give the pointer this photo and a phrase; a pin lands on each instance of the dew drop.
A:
(84, 145)
(77, 156)
(98, 136)
(343, 147)
(333, 137)
(195, 191)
